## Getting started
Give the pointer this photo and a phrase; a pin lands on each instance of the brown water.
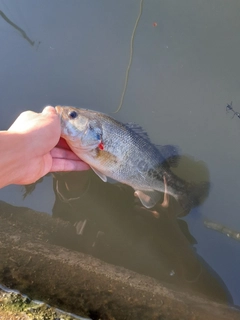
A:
(185, 70)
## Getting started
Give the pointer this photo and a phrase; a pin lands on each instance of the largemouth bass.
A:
(125, 153)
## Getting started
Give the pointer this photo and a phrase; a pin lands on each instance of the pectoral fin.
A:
(148, 197)
(101, 175)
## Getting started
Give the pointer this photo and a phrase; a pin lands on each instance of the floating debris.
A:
(223, 229)
(230, 108)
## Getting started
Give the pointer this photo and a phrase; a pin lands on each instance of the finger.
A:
(68, 165)
(59, 153)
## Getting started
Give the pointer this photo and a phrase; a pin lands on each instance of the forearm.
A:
(12, 157)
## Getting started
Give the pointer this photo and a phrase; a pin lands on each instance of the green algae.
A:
(17, 306)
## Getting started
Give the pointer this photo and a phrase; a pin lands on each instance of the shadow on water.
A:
(111, 224)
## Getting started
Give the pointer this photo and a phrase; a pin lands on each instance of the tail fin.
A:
(193, 197)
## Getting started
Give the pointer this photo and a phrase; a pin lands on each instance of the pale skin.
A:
(30, 149)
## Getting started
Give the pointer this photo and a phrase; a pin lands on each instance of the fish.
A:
(125, 153)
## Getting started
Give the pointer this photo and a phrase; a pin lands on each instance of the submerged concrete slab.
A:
(33, 261)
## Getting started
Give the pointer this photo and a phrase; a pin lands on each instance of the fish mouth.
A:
(58, 110)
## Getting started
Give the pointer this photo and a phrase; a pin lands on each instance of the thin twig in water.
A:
(23, 33)
(229, 107)
(223, 229)
(130, 57)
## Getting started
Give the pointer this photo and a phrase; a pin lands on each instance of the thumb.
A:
(49, 110)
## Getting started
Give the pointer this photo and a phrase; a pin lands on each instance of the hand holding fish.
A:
(31, 148)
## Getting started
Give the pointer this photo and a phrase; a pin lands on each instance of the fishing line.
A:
(130, 57)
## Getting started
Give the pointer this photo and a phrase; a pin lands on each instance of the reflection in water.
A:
(23, 33)
(223, 229)
(130, 57)
(112, 225)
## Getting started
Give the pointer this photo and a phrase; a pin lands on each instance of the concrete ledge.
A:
(81, 284)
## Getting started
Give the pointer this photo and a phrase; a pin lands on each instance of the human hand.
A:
(32, 150)
(65, 160)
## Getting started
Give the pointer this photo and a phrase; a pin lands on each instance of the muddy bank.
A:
(33, 261)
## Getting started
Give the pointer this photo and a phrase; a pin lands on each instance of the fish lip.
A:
(58, 110)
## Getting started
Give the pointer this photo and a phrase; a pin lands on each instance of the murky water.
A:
(185, 70)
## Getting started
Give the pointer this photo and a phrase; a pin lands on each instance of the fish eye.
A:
(72, 114)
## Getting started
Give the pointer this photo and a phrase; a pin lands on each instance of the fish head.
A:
(78, 126)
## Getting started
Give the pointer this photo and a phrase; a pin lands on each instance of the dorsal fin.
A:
(169, 152)
(138, 129)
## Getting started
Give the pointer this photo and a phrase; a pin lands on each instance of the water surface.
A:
(185, 70)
